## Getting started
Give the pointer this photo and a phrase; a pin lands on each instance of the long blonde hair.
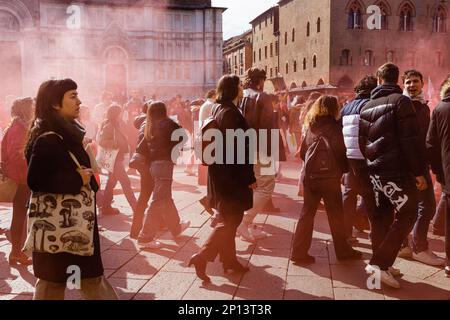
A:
(324, 106)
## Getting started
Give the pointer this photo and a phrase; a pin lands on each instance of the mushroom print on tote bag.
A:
(61, 223)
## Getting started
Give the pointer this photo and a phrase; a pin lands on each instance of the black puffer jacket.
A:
(423, 117)
(389, 134)
(438, 143)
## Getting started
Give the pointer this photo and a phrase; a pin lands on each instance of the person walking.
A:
(54, 135)
(230, 185)
(389, 138)
(14, 166)
(323, 152)
(438, 145)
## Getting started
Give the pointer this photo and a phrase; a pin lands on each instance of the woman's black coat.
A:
(228, 184)
(52, 170)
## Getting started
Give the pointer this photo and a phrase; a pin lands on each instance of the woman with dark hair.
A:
(14, 166)
(54, 135)
(159, 129)
(229, 185)
(112, 137)
(322, 123)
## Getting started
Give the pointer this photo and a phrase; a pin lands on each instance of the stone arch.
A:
(405, 4)
(19, 10)
(292, 86)
(384, 5)
(304, 84)
(320, 82)
(353, 3)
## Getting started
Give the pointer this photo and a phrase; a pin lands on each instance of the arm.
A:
(51, 169)
(15, 151)
(434, 148)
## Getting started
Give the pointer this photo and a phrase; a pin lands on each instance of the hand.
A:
(253, 186)
(421, 183)
(85, 174)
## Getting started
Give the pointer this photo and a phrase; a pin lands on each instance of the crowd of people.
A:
(384, 149)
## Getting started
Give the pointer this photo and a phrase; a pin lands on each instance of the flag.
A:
(430, 89)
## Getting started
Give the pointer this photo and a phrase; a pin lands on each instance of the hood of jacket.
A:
(385, 90)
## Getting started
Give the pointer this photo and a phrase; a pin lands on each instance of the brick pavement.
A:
(163, 274)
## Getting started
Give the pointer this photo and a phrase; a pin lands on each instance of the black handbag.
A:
(139, 160)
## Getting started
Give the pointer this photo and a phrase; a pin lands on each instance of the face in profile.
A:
(70, 106)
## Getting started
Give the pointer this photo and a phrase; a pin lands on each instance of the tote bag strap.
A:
(70, 153)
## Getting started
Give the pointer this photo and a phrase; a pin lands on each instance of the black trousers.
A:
(222, 239)
(19, 216)
(447, 228)
(396, 203)
(357, 182)
(330, 192)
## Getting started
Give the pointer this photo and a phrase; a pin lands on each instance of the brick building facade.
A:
(328, 43)
(238, 54)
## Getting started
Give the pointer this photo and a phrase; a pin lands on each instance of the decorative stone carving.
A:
(8, 21)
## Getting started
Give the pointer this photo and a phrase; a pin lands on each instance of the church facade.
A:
(160, 47)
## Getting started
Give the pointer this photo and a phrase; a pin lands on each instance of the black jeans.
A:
(222, 239)
(19, 217)
(332, 198)
(426, 211)
(396, 203)
(439, 217)
(147, 186)
(357, 182)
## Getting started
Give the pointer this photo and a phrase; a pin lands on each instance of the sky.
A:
(239, 13)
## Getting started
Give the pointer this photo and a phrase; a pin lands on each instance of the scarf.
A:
(420, 97)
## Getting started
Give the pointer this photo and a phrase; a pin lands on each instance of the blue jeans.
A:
(162, 209)
(425, 213)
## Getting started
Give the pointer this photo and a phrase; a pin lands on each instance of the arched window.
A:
(354, 14)
(295, 65)
(308, 27)
(390, 56)
(314, 61)
(406, 18)
(345, 57)
(304, 63)
(439, 20)
(385, 12)
(293, 35)
(285, 38)
(368, 58)
(318, 25)
(287, 67)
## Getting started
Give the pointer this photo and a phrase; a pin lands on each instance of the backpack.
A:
(200, 144)
(250, 111)
(320, 162)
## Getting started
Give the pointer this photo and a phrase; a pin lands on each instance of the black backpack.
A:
(251, 111)
(200, 144)
(320, 162)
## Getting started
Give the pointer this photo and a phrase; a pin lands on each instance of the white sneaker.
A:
(394, 271)
(256, 232)
(428, 257)
(243, 231)
(405, 252)
(386, 277)
(150, 245)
